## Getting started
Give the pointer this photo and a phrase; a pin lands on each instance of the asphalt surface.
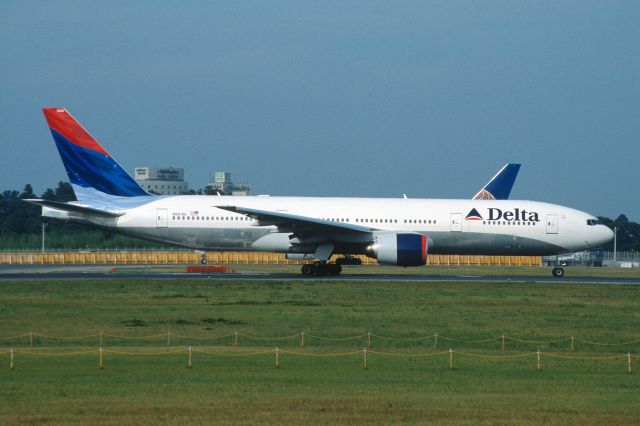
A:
(128, 272)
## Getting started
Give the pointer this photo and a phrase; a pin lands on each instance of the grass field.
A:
(314, 389)
(532, 271)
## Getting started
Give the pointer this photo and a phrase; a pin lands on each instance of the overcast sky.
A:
(336, 98)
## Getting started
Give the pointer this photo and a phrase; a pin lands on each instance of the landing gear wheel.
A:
(321, 269)
(334, 269)
(203, 260)
(307, 269)
(557, 272)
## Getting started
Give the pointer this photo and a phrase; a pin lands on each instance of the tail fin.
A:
(91, 170)
(499, 187)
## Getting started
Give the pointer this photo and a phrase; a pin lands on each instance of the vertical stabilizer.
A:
(499, 187)
(91, 170)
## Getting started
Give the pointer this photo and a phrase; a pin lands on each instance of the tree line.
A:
(20, 226)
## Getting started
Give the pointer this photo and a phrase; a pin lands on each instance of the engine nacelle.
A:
(399, 249)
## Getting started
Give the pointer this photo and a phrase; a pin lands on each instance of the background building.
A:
(161, 180)
(222, 182)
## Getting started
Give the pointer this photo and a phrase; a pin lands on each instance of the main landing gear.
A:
(321, 268)
(557, 272)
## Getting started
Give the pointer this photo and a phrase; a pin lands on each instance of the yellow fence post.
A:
(369, 339)
(573, 346)
(629, 362)
(11, 356)
(100, 362)
(450, 357)
(538, 366)
(235, 339)
(503, 348)
(101, 337)
(277, 358)
(364, 359)
(435, 338)
(302, 339)
(189, 361)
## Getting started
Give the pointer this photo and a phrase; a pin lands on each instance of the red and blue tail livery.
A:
(89, 166)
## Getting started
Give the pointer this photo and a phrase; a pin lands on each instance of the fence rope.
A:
(152, 336)
(169, 352)
(522, 355)
(202, 351)
(44, 336)
(269, 338)
(451, 339)
(593, 358)
(14, 337)
(180, 336)
(40, 353)
(607, 344)
(536, 342)
(360, 336)
(326, 338)
(404, 339)
(284, 351)
(407, 355)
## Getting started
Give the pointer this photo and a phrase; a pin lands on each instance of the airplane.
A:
(397, 232)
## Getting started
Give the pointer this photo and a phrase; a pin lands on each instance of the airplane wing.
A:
(74, 208)
(300, 225)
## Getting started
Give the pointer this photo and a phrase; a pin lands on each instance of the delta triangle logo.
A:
(473, 215)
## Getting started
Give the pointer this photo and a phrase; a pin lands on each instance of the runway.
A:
(167, 272)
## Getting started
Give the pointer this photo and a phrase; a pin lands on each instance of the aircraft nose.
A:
(604, 234)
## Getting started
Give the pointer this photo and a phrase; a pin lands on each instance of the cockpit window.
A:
(592, 222)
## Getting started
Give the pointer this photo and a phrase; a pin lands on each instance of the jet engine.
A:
(399, 249)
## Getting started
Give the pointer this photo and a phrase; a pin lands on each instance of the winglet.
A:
(499, 187)
(89, 166)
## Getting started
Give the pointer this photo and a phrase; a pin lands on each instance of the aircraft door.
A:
(456, 222)
(552, 224)
(161, 218)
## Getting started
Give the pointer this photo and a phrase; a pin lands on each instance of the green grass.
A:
(309, 389)
(535, 271)
(529, 271)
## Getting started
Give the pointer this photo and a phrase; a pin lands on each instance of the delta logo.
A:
(473, 215)
(516, 214)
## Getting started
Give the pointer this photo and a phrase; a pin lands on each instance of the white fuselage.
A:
(452, 226)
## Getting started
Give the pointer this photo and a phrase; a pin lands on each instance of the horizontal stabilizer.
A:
(73, 208)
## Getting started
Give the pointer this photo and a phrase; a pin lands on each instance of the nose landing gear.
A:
(557, 272)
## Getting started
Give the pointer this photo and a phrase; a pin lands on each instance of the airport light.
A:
(615, 243)
(44, 226)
